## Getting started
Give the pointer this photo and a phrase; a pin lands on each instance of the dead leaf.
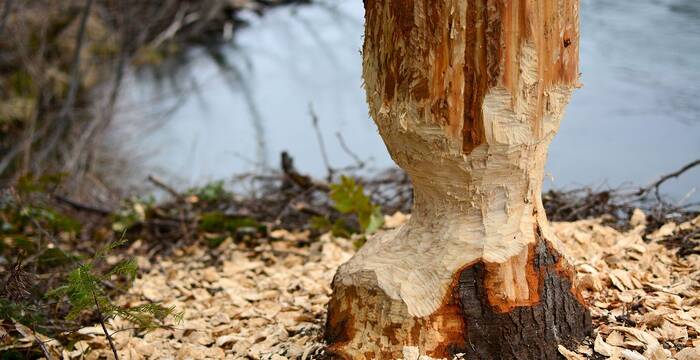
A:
(688, 354)
(603, 348)
(568, 354)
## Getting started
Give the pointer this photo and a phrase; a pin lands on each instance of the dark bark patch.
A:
(340, 323)
(525, 332)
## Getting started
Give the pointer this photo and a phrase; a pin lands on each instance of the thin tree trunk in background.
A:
(5, 14)
(467, 95)
(75, 67)
(64, 120)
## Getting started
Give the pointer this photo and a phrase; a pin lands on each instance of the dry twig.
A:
(104, 328)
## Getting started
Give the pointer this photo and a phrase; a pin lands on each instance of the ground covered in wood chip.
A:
(269, 302)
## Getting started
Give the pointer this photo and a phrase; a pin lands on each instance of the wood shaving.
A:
(269, 302)
(645, 300)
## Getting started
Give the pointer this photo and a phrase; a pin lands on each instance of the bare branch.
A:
(657, 184)
(82, 207)
(359, 163)
(322, 146)
(5, 14)
(183, 211)
(41, 345)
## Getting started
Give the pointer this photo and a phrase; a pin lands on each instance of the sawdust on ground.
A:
(269, 302)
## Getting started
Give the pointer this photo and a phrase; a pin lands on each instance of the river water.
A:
(637, 116)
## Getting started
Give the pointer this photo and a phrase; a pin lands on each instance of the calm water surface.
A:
(637, 116)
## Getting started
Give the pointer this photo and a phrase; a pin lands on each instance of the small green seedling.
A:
(349, 198)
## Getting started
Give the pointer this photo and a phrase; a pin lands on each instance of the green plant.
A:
(21, 312)
(32, 227)
(216, 222)
(349, 198)
(210, 192)
(52, 219)
(84, 289)
(133, 212)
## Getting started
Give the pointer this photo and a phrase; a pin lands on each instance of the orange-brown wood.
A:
(414, 43)
(467, 95)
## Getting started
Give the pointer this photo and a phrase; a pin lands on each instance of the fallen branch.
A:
(657, 184)
(41, 345)
(81, 207)
(303, 181)
(183, 211)
(161, 184)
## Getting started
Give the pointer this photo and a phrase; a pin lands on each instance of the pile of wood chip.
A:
(263, 303)
(645, 300)
(269, 302)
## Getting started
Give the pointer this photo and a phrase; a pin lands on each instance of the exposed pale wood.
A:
(467, 95)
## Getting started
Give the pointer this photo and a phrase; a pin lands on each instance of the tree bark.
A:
(467, 95)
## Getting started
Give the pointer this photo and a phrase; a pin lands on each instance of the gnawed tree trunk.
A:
(467, 95)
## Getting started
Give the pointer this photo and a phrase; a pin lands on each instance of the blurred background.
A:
(199, 91)
(135, 131)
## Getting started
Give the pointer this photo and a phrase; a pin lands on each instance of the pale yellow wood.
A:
(484, 204)
(467, 95)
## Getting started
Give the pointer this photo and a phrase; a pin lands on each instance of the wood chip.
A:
(570, 355)
(265, 304)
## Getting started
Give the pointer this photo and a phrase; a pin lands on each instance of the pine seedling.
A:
(85, 290)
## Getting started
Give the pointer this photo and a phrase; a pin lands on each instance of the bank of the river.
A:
(62, 66)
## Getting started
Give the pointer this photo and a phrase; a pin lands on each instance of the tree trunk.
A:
(467, 95)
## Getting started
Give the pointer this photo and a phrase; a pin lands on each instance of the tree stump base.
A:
(474, 320)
